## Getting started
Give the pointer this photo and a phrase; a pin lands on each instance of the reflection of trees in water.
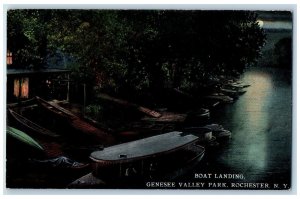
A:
(278, 50)
(283, 52)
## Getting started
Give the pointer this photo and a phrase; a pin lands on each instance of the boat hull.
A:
(166, 161)
(30, 126)
(80, 126)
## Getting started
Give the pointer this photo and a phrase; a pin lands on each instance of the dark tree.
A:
(134, 50)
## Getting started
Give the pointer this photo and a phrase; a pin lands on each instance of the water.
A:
(288, 25)
(261, 125)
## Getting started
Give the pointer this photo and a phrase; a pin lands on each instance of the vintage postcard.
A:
(149, 99)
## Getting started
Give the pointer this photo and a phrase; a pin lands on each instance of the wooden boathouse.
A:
(48, 83)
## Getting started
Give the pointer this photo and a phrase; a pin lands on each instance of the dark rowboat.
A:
(76, 122)
(125, 103)
(148, 157)
(56, 109)
(28, 125)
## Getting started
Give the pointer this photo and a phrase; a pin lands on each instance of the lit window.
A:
(9, 58)
(21, 87)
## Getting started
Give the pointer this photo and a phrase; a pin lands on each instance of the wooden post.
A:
(84, 99)
(68, 92)
(20, 88)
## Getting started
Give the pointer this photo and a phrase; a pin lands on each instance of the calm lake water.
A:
(261, 126)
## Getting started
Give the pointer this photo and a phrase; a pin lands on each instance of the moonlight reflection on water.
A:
(260, 121)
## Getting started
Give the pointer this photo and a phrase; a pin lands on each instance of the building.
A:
(24, 84)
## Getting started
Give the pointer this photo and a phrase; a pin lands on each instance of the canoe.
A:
(48, 148)
(30, 126)
(125, 103)
(23, 137)
(76, 122)
(145, 157)
(56, 109)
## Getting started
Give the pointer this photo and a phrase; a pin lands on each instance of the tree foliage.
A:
(27, 37)
(130, 50)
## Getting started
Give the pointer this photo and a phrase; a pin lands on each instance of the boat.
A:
(220, 97)
(76, 122)
(60, 162)
(204, 134)
(125, 103)
(87, 181)
(194, 102)
(30, 126)
(167, 117)
(238, 85)
(203, 112)
(188, 162)
(223, 133)
(23, 137)
(56, 109)
(40, 152)
(210, 103)
(157, 128)
(232, 92)
(152, 157)
(140, 129)
(43, 147)
(22, 103)
(218, 131)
